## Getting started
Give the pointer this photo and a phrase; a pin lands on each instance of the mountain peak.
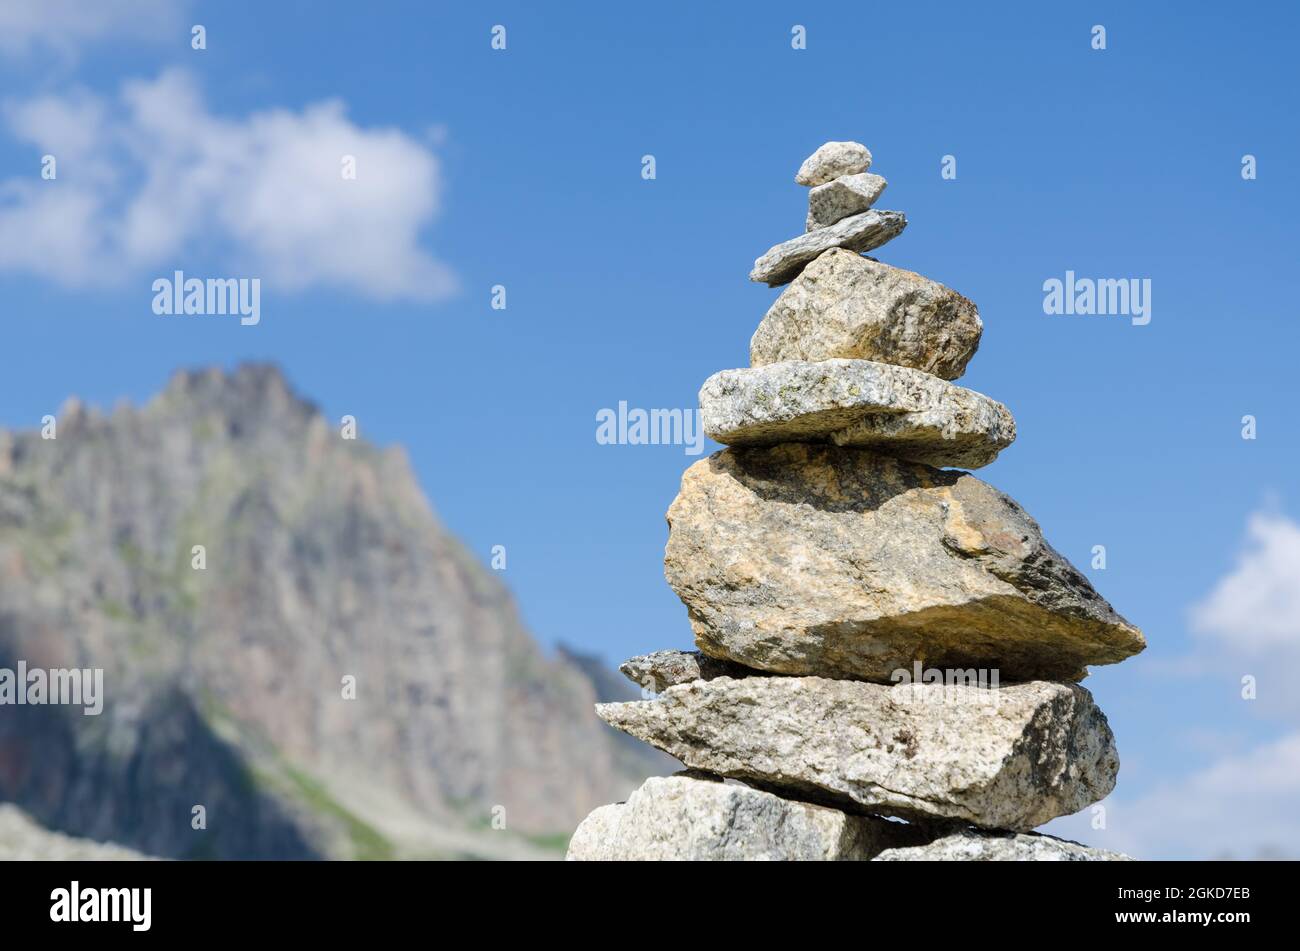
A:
(250, 387)
(284, 624)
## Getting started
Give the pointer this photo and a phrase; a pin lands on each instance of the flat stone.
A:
(846, 195)
(693, 817)
(844, 305)
(662, 669)
(1011, 758)
(832, 160)
(782, 263)
(971, 845)
(896, 410)
(808, 558)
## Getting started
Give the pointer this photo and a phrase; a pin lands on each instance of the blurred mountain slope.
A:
(225, 685)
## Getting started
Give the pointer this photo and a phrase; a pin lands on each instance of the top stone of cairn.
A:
(833, 160)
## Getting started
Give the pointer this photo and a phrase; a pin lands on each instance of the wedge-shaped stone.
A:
(694, 817)
(846, 195)
(662, 669)
(831, 160)
(897, 410)
(845, 305)
(971, 845)
(1011, 758)
(871, 229)
(812, 559)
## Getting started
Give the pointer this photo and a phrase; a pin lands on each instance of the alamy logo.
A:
(1107, 297)
(973, 685)
(216, 296)
(83, 687)
(654, 427)
(134, 905)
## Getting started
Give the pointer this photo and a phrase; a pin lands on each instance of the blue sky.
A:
(522, 168)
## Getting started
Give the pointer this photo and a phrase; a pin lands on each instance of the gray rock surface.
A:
(845, 305)
(812, 559)
(22, 840)
(783, 262)
(971, 845)
(846, 195)
(1012, 758)
(896, 410)
(831, 160)
(693, 817)
(662, 669)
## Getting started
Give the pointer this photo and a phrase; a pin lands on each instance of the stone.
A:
(695, 817)
(782, 263)
(845, 305)
(814, 559)
(832, 160)
(596, 838)
(1010, 758)
(22, 839)
(846, 195)
(971, 845)
(664, 669)
(903, 412)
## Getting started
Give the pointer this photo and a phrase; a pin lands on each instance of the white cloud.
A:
(1241, 806)
(1242, 801)
(63, 27)
(153, 175)
(1256, 607)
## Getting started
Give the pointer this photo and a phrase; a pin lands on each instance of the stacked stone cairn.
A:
(889, 649)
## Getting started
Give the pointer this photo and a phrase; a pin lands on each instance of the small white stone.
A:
(833, 160)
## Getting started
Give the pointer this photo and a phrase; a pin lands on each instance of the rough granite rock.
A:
(812, 559)
(846, 195)
(696, 817)
(845, 305)
(832, 160)
(1011, 758)
(974, 845)
(663, 669)
(871, 229)
(900, 411)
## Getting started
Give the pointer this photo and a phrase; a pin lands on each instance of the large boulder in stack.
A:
(1011, 758)
(697, 817)
(812, 559)
(846, 305)
(973, 845)
(900, 411)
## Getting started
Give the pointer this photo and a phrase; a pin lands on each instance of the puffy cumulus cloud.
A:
(1256, 606)
(1247, 626)
(151, 175)
(1242, 806)
(63, 27)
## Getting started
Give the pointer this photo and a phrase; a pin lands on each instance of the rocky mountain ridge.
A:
(227, 683)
